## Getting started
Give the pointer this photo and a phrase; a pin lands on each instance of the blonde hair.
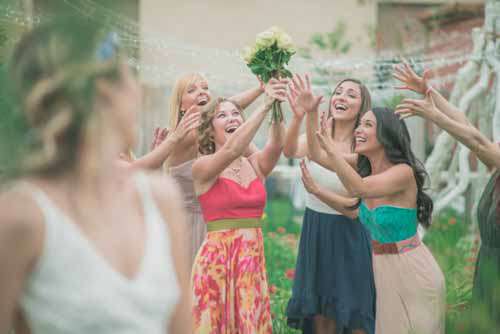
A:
(180, 87)
(206, 143)
(53, 74)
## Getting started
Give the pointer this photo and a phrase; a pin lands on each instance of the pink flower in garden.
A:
(273, 289)
(452, 221)
(281, 230)
(290, 274)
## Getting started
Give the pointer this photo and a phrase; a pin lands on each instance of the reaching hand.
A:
(301, 94)
(309, 183)
(190, 121)
(297, 111)
(325, 139)
(410, 107)
(159, 136)
(404, 73)
(275, 91)
(326, 121)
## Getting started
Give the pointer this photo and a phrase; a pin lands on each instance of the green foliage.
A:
(333, 41)
(270, 63)
(393, 101)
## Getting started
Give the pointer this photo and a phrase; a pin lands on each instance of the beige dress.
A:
(196, 229)
(410, 285)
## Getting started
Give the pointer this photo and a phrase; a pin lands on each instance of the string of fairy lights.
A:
(225, 69)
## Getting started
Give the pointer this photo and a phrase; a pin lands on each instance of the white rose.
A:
(265, 39)
(285, 42)
(248, 54)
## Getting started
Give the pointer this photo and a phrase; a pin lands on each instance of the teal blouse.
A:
(388, 223)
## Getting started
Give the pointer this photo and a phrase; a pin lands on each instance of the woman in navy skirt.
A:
(333, 290)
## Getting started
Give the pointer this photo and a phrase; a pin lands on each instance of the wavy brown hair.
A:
(366, 104)
(53, 72)
(206, 144)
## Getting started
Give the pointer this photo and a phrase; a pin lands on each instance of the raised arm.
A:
(338, 202)
(266, 159)
(208, 167)
(419, 84)
(486, 151)
(161, 152)
(244, 99)
(295, 144)
(389, 182)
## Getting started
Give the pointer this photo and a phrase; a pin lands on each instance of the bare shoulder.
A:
(403, 174)
(198, 165)
(402, 169)
(168, 198)
(21, 219)
(164, 188)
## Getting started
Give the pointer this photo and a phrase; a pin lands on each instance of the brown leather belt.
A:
(399, 247)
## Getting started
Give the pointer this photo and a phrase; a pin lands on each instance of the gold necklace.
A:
(236, 171)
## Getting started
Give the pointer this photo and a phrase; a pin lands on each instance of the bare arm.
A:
(419, 84)
(315, 152)
(21, 241)
(266, 159)
(336, 201)
(168, 198)
(208, 167)
(244, 99)
(447, 108)
(295, 144)
(392, 181)
(486, 151)
(158, 155)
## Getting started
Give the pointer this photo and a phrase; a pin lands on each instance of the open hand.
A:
(159, 136)
(309, 183)
(325, 139)
(189, 122)
(301, 95)
(410, 107)
(404, 73)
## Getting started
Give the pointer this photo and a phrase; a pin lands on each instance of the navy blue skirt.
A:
(333, 275)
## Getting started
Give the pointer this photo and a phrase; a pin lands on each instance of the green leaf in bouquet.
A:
(257, 68)
(286, 73)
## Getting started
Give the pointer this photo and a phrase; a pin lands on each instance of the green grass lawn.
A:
(448, 239)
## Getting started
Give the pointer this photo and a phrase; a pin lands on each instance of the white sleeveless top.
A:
(72, 289)
(326, 179)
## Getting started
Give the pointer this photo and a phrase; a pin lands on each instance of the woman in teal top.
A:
(389, 182)
(435, 108)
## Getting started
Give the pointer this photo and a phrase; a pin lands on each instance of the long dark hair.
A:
(394, 136)
(366, 104)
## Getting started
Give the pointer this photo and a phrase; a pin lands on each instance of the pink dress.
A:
(230, 291)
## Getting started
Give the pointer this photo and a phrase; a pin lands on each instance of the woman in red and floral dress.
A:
(230, 291)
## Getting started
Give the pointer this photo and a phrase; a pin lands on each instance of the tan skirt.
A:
(410, 293)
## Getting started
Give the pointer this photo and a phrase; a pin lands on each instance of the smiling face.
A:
(226, 120)
(346, 101)
(196, 92)
(366, 134)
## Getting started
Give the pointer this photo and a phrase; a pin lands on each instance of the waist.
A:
(313, 203)
(228, 224)
(399, 247)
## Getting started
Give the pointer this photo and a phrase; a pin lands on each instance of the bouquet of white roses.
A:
(267, 59)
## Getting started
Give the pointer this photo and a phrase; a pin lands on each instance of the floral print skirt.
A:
(229, 284)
